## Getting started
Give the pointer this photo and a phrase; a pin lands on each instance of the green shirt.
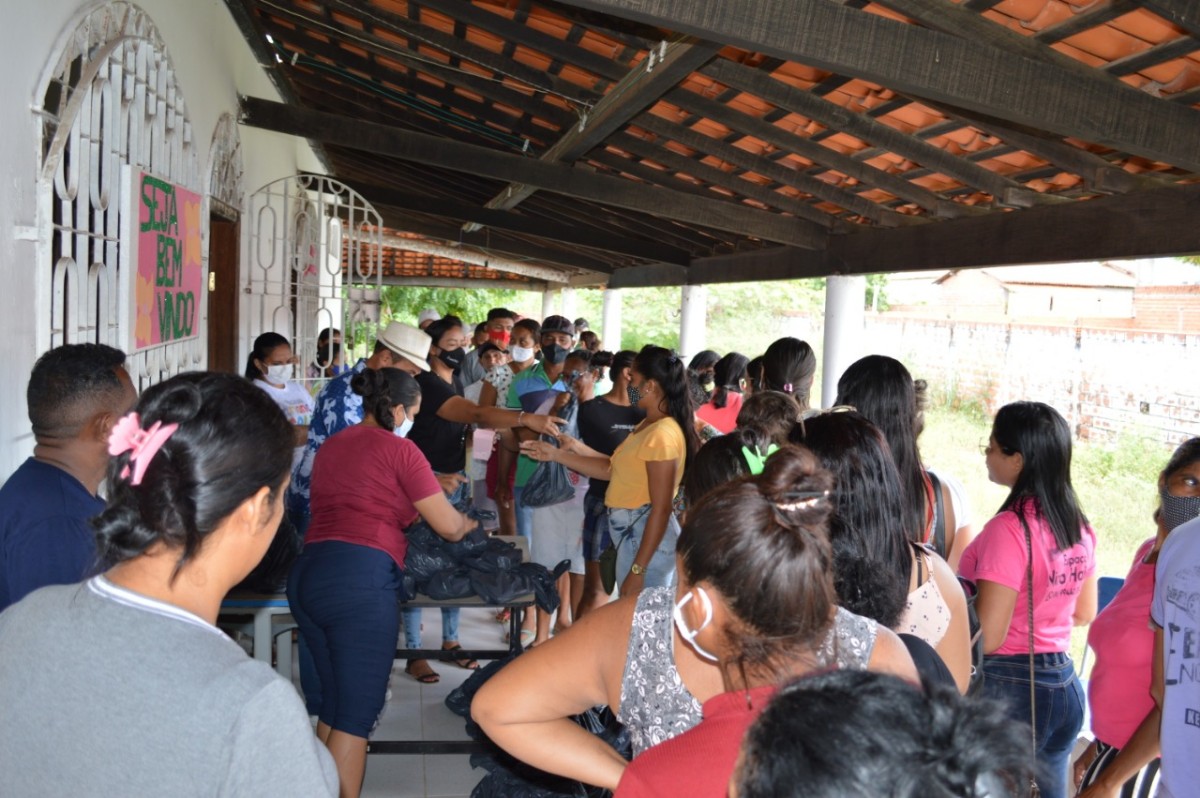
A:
(530, 391)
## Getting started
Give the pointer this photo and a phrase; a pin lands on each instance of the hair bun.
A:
(796, 484)
(178, 403)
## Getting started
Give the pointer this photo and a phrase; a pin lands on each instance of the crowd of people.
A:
(772, 598)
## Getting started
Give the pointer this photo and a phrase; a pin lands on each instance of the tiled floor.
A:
(417, 712)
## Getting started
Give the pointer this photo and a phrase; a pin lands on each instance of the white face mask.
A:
(690, 634)
(520, 353)
(401, 429)
(278, 375)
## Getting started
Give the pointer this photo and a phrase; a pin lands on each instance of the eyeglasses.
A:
(986, 448)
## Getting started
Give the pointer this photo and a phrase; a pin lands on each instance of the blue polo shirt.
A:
(46, 537)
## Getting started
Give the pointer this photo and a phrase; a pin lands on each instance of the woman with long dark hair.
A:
(1126, 721)
(1040, 530)
(369, 485)
(882, 389)
(788, 366)
(879, 572)
(729, 376)
(123, 685)
(644, 472)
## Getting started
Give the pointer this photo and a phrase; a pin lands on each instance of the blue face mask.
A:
(635, 395)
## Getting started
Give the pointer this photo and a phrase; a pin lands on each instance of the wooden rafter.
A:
(513, 222)
(396, 143)
(1089, 105)
(638, 90)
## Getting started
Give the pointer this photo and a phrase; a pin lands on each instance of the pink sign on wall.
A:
(167, 256)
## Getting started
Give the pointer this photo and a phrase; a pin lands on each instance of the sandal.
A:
(422, 673)
(527, 637)
(465, 664)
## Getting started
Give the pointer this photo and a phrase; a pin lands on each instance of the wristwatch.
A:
(637, 570)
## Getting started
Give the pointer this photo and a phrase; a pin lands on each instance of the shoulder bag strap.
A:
(1032, 670)
(939, 516)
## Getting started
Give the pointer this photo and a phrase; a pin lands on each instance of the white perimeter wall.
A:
(213, 65)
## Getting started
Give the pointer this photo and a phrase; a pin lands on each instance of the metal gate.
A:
(107, 102)
(314, 264)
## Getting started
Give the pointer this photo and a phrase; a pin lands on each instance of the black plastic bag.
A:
(549, 483)
(497, 555)
(459, 699)
(427, 555)
(451, 584)
(503, 587)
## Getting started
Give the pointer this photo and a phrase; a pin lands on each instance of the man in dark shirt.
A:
(604, 422)
(76, 394)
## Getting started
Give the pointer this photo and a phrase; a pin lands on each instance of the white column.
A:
(692, 320)
(550, 302)
(845, 314)
(568, 303)
(610, 335)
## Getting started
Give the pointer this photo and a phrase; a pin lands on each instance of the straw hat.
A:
(408, 342)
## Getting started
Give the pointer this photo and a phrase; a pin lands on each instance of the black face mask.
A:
(453, 357)
(555, 354)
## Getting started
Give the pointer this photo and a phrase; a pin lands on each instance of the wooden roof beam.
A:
(510, 246)
(557, 178)
(491, 89)
(1141, 224)
(828, 159)
(1184, 13)
(1076, 102)
(513, 222)
(781, 174)
(714, 176)
(1098, 174)
(1095, 15)
(639, 89)
(835, 117)
(462, 49)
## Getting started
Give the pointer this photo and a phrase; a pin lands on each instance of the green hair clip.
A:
(756, 460)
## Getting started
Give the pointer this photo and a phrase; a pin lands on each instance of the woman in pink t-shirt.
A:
(722, 408)
(1030, 452)
(1125, 719)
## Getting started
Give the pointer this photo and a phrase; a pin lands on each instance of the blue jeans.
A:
(524, 514)
(344, 599)
(626, 528)
(412, 627)
(1059, 715)
(412, 617)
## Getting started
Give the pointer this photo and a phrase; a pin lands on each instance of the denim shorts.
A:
(626, 528)
(1059, 717)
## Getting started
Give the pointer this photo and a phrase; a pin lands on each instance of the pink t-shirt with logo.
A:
(999, 555)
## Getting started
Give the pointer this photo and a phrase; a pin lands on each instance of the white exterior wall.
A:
(213, 65)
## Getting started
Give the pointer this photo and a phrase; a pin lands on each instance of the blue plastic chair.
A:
(1107, 588)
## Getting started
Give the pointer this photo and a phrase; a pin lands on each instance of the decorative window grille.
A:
(225, 170)
(107, 101)
(314, 263)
